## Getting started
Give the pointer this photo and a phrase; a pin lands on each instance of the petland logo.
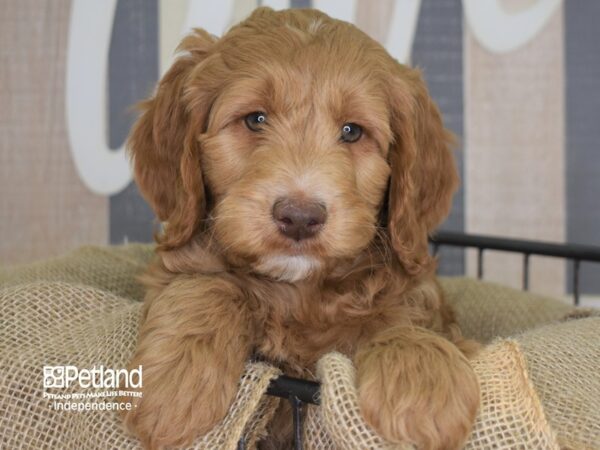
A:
(97, 377)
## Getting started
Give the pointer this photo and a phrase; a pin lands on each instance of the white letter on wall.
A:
(214, 17)
(102, 170)
(500, 31)
(338, 9)
(402, 27)
(276, 4)
(402, 30)
(178, 17)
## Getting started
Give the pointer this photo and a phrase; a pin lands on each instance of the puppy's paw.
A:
(181, 401)
(192, 346)
(416, 387)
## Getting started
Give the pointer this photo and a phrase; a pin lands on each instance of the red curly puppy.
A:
(298, 169)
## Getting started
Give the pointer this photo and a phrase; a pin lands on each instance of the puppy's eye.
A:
(255, 121)
(351, 132)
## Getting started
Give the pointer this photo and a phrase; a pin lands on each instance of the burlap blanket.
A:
(539, 374)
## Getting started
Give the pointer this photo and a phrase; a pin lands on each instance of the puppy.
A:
(298, 170)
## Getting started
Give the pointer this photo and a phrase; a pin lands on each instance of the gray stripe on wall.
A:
(582, 65)
(301, 3)
(438, 51)
(133, 71)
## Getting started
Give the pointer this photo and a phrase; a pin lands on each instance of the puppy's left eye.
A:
(351, 132)
(255, 121)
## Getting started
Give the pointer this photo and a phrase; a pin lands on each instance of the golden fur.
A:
(228, 285)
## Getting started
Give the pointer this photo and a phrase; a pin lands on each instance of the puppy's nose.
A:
(299, 219)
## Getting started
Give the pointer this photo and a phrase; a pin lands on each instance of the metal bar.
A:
(526, 271)
(576, 252)
(297, 417)
(480, 262)
(568, 251)
(284, 387)
(576, 263)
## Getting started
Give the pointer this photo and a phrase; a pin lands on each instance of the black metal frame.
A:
(298, 392)
(574, 252)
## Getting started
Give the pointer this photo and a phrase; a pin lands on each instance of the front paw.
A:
(192, 346)
(180, 401)
(417, 388)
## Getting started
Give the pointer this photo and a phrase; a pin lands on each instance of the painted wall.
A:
(517, 81)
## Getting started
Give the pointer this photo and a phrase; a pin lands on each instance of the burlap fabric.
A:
(540, 389)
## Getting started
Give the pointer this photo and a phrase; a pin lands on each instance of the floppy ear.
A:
(424, 175)
(164, 147)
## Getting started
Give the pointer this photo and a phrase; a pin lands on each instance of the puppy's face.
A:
(279, 141)
(295, 158)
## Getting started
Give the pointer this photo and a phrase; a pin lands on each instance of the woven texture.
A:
(487, 311)
(564, 366)
(540, 388)
(83, 309)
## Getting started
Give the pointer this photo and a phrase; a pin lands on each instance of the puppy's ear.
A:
(164, 147)
(424, 175)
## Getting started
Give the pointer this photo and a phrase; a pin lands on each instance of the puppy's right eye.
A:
(255, 121)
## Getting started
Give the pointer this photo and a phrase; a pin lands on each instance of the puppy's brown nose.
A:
(299, 219)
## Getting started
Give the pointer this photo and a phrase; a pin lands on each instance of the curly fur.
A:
(227, 285)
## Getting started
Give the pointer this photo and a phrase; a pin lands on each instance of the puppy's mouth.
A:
(291, 260)
(296, 245)
(294, 241)
(303, 247)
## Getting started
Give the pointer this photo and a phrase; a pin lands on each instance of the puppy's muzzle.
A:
(299, 219)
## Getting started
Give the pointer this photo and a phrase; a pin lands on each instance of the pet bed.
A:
(539, 379)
